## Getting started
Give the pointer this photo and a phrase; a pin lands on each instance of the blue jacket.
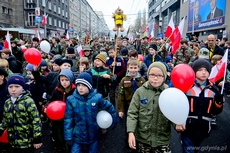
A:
(80, 123)
(149, 59)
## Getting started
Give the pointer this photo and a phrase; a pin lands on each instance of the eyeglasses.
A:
(157, 76)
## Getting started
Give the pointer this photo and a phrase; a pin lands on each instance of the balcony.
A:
(29, 6)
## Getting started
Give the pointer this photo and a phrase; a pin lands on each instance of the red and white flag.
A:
(38, 35)
(176, 36)
(44, 19)
(7, 44)
(219, 70)
(67, 35)
(170, 28)
(80, 51)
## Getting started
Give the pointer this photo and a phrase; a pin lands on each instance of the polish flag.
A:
(176, 36)
(170, 28)
(219, 70)
(44, 19)
(7, 44)
(67, 35)
(150, 30)
(80, 51)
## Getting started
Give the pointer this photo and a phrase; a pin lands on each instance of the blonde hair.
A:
(133, 62)
(4, 63)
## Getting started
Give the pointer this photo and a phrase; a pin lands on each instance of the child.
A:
(61, 92)
(83, 65)
(147, 127)
(205, 101)
(5, 65)
(152, 56)
(80, 126)
(43, 67)
(102, 77)
(21, 114)
(3, 93)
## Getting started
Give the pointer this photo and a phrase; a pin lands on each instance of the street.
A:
(114, 140)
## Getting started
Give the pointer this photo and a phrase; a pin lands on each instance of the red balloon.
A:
(33, 56)
(56, 110)
(183, 77)
(140, 57)
(4, 137)
(23, 48)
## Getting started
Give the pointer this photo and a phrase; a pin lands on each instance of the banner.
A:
(206, 14)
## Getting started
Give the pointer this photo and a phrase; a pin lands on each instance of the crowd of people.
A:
(122, 77)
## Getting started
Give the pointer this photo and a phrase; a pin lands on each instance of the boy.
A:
(152, 56)
(61, 92)
(80, 126)
(21, 118)
(5, 65)
(205, 101)
(147, 127)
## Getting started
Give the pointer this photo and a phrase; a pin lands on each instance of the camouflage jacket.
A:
(144, 48)
(22, 121)
(184, 56)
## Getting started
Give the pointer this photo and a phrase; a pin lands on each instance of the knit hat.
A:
(16, 79)
(57, 61)
(153, 46)
(67, 73)
(29, 67)
(70, 50)
(124, 51)
(43, 63)
(101, 57)
(86, 79)
(66, 61)
(3, 72)
(197, 64)
(168, 59)
(160, 66)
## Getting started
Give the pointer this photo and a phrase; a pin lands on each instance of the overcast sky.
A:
(130, 7)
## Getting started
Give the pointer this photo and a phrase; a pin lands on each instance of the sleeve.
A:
(122, 72)
(120, 97)
(68, 120)
(4, 122)
(133, 111)
(218, 101)
(144, 70)
(36, 121)
(108, 106)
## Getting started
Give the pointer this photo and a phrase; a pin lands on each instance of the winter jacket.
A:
(3, 95)
(13, 66)
(204, 102)
(149, 59)
(126, 91)
(184, 56)
(143, 71)
(145, 118)
(22, 121)
(80, 123)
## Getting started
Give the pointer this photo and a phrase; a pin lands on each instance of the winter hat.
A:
(168, 59)
(67, 73)
(57, 56)
(70, 50)
(197, 64)
(101, 57)
(124, 51)
(57, 61)
(29, 67)
(3, 72)
(153, 46)
(86, 79)
(16, 79)
(43, 63)
(66, 61)
(160, 66)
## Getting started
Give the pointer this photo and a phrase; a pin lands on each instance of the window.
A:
(43, 3)
(59, 10)
(50, 20)
(63, 1)
(55, 8)
(49, 5)
(63, 25)
(31, 19)
(59, 24)
(63, 12)
(10, 11)
(4, 10)
(66, 14)
(29, 1)
(55, 22)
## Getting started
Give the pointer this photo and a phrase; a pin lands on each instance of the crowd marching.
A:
(122, 77)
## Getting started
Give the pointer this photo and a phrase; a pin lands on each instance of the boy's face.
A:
(4, 55)
(43, 67)
(86, 52)
(98, 63)
(111, 53)
(133, 70)
(82, 89)
(156, 77)
(15, 90)
(202, 74)
(65, 66)
(152, 51)
(29, 74)
(56, 67)
(82, 66)
(64, 81)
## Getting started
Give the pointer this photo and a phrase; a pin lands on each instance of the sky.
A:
(130, 8)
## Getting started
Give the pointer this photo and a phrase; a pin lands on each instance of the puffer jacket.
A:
(22, 121)
(80, 123)
(145, 118)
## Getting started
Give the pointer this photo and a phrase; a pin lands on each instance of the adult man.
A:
(137, 44)
(212, 47)
(215, 12)
(197, 17)
(55, 45)
(144, 46)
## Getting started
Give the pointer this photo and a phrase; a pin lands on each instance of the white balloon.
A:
(45, 46)
(174, 105)
(104, 119)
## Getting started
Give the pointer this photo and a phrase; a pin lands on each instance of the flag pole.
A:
(164, 43)
(114, 59)
(222, 89)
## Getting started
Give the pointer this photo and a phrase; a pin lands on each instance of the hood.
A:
(138, 75)
(67, 73)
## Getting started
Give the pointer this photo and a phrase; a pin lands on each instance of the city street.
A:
(114, 140)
